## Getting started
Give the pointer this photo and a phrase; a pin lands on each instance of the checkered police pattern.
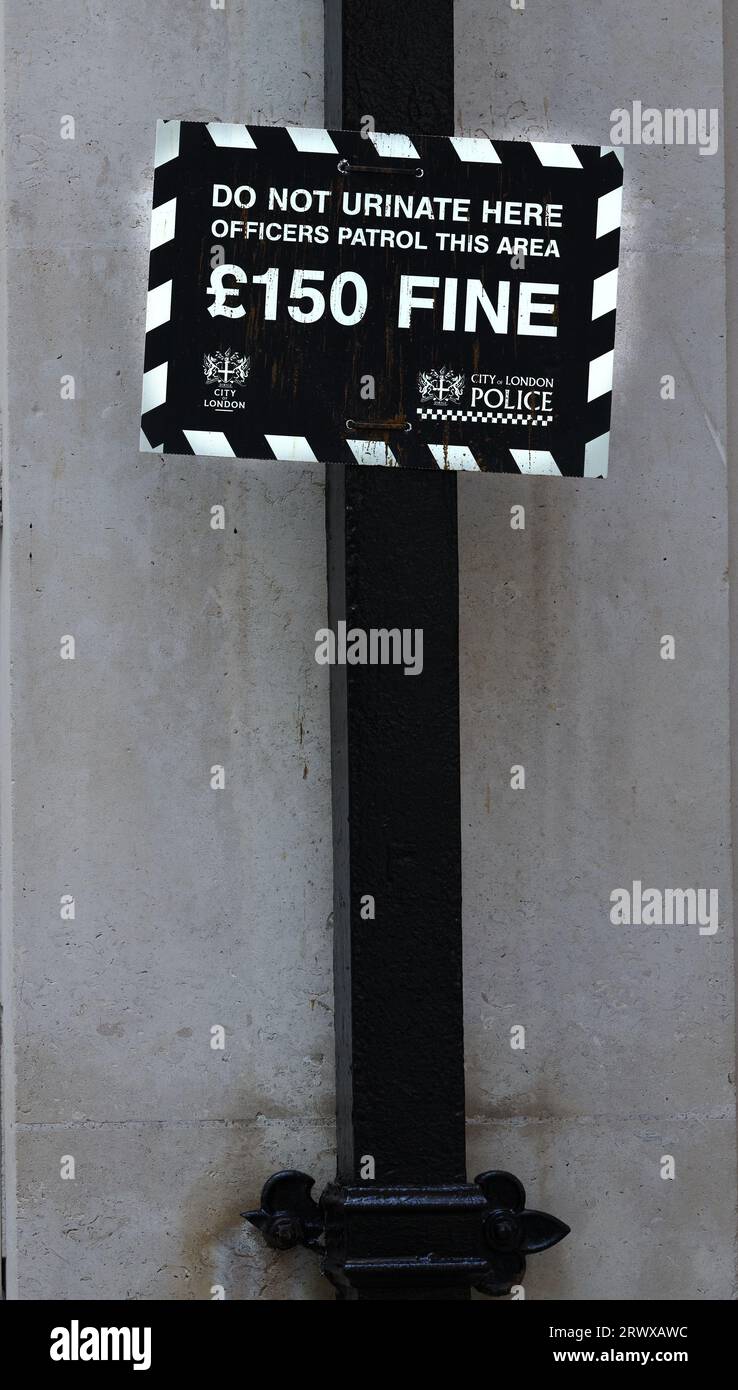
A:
(492, 417)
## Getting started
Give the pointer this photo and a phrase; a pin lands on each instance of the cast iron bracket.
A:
(375, 1241)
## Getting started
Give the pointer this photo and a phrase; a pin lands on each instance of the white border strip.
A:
(596, 452)
(209, 442)
(605, 293)
(167, 142)
(472, 150)
(290, 448)
(372, 451)
(154, 390)
(609, 211)
(311, 141)
(163, 221)
(557, 156)
(457, 456)
(393, 146)
(536, 461)
(159, 306)
(600, 375)
(229, 136)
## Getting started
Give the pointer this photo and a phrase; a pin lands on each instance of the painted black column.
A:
(392, 562)
(400, 1221)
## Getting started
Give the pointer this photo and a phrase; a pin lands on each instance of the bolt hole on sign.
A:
(414, 302)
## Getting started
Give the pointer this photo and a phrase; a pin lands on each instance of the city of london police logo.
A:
(507, 400)
(225, 372)
(440, 385)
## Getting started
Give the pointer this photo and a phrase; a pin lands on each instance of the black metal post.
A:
(401, 1221)
(393, 562)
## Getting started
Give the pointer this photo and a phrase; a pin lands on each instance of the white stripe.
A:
(600, 375)
(154, 388)
(211, 442)
(605, 293)
(290, 448)
(556, 156)
(475, 151)
(158, 305)
(609, 211)
(163, 220)
(145, 448)
(393, 146)
(536, 461)
(595, 456)
(453, 456)
(371, 451)
(229, 136)
(167, 142)
(309, 141)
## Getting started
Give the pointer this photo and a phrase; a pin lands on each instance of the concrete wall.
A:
(194, 647)
(630, 1037)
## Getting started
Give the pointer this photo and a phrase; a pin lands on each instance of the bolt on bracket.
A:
(379, 1242)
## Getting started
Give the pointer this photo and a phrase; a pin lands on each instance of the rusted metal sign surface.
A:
(376, 299)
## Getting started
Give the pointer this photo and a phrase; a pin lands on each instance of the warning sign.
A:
(422, 303)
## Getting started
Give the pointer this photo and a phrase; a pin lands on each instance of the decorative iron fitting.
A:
(378, 1241)
(288, 1215)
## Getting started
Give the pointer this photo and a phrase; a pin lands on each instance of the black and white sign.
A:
(425, 302)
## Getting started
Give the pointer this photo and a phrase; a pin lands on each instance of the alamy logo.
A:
(375, 646)
(667, 907)
(675, 125)
(440, 385)
(75, 1343)
(226, 368)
